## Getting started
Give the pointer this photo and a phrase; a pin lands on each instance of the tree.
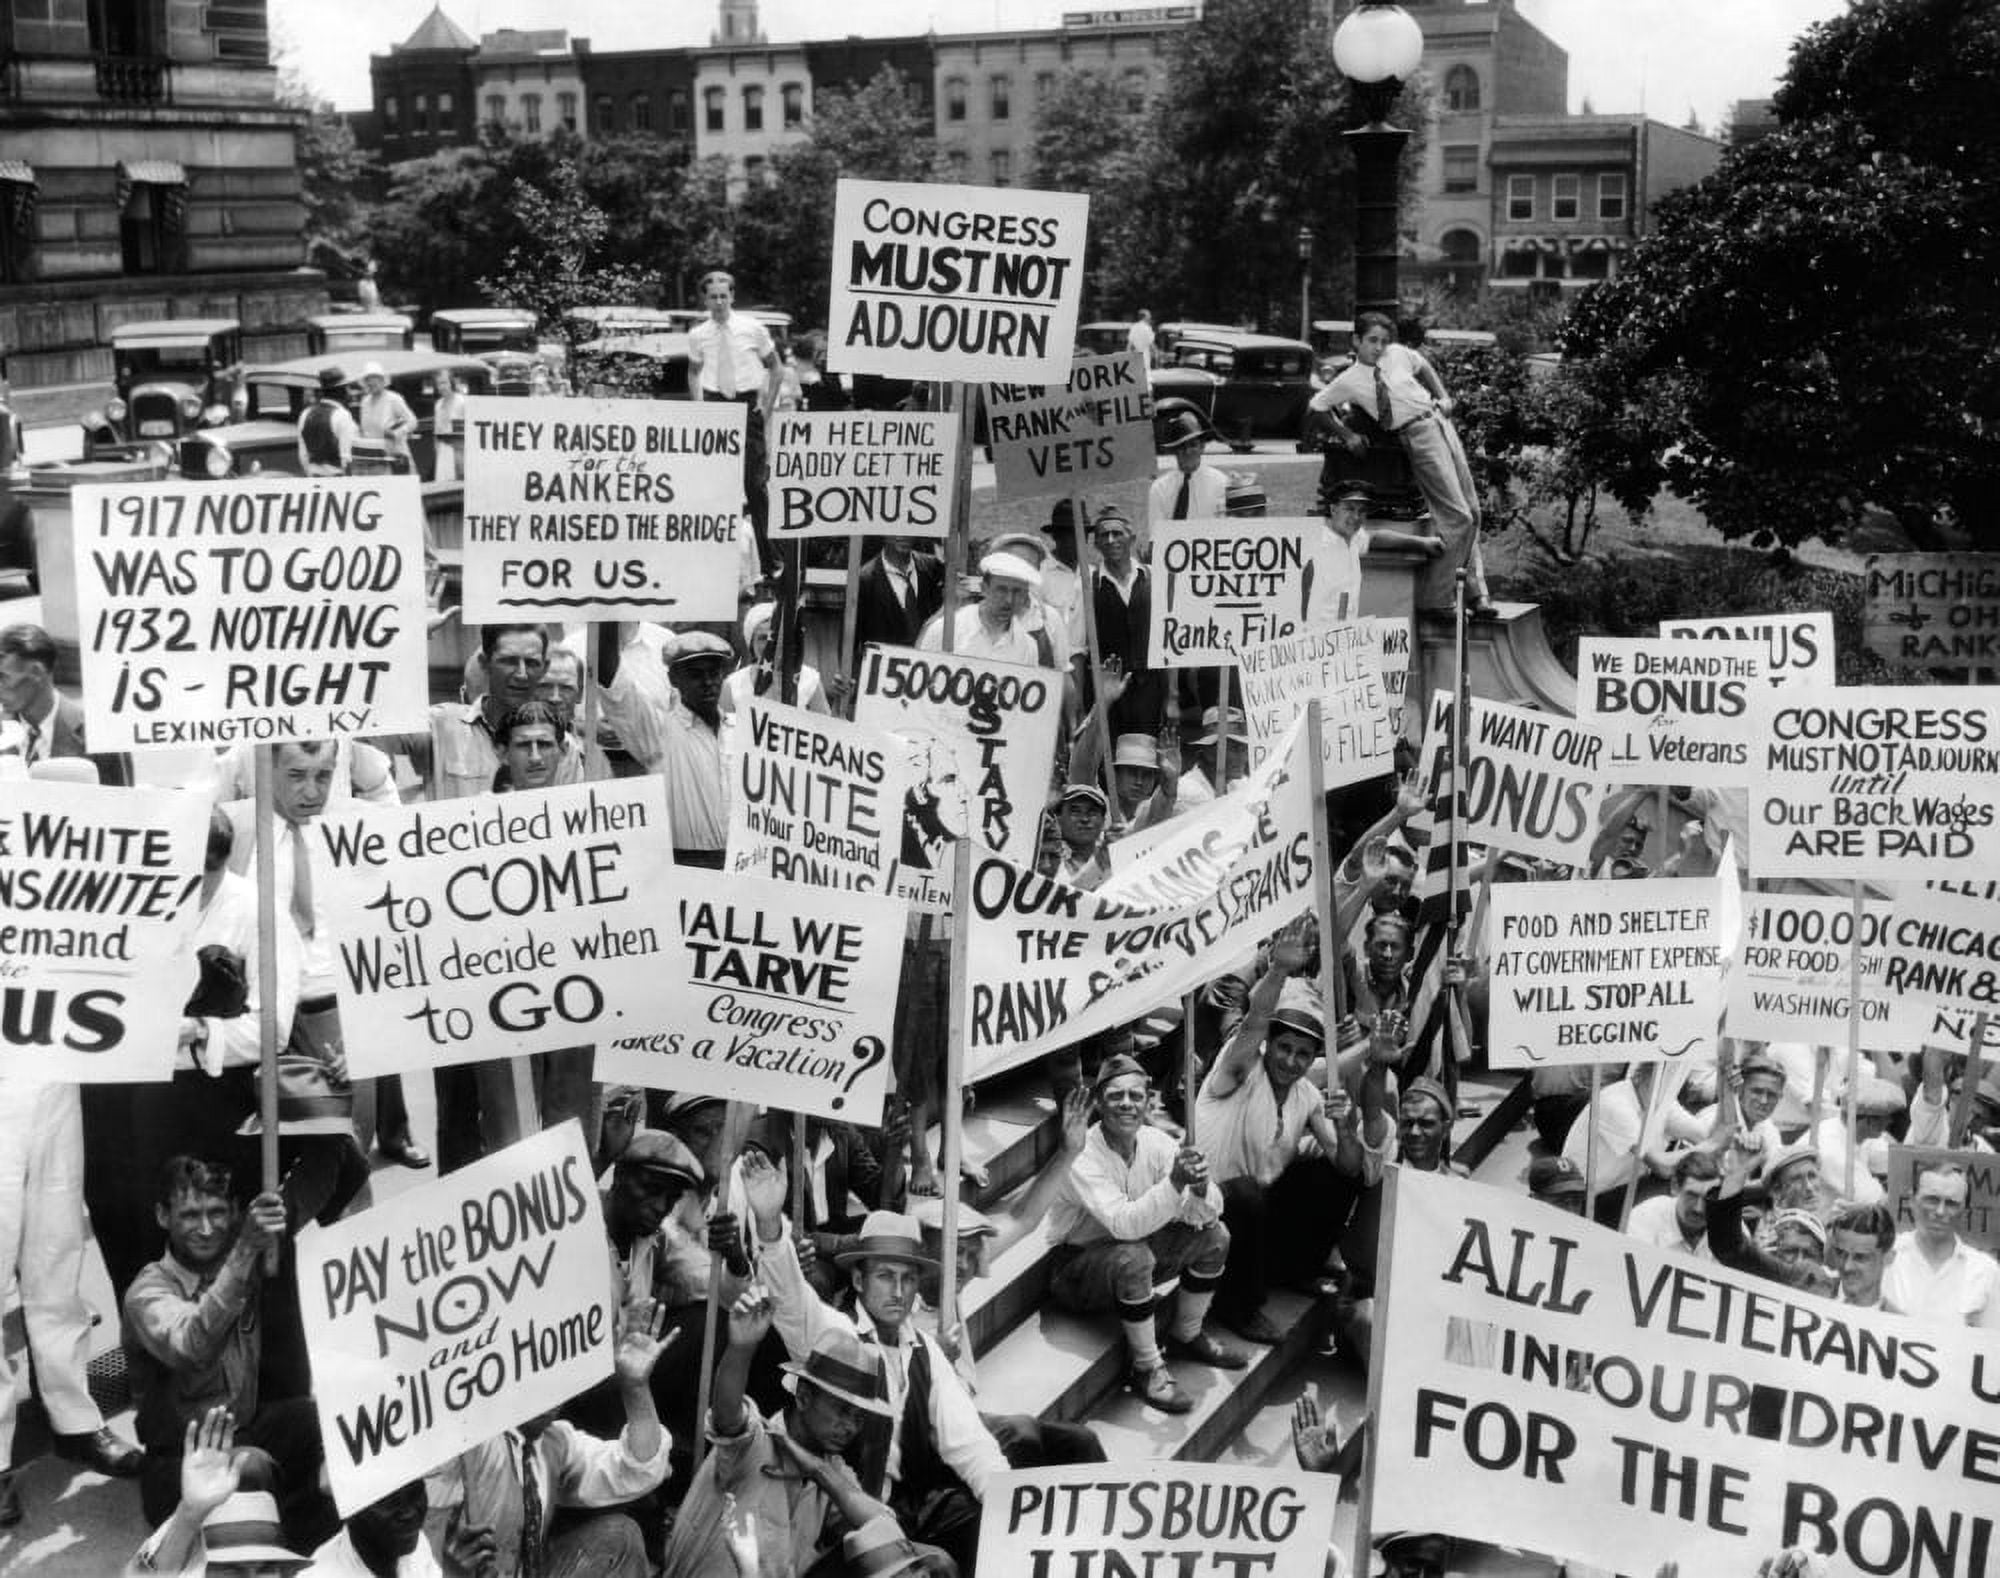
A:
(1824, 303)
(335, 176)
(1088, 138)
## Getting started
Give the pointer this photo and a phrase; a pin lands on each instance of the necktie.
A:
(1181, 498)
(302, 881)
(901, 582)
(1382, 413)
(725, 363)
(32, 752)
(530, 1565)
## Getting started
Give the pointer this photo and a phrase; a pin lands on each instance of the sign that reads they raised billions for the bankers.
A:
(977, 283)
(842, 473)
(1057, 438)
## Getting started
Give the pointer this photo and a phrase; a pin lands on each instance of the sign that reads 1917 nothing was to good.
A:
(273, 609)
(1222, 585)
(841, 473)
(1056, 438)
(959, 282)
(602, 509)
(1671, 709)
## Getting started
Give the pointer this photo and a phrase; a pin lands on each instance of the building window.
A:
(753, 170)
(420, 113)
(955, 162)
(1520, 262)
(711, 101)
(391, 115)
(152, 226)
(642, 112)
(954, 98)
(444, 109)
(1611, 195)
(1045, 85)
(531, 114)
(753, 109)
(1000, 97)
(1459, 247)
(604, 115)
(1461, 89)
(1003, 167)
(1461, 168)
(496, 109)
(1591, 263)
(1135, 83)
(1567, 198)
(18, 195)
(1520, 197)
(566, 110)
(794, 97)
(677, 111)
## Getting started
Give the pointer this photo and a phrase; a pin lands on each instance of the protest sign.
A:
(602, 509)
(1892, 782)
(1058, 438)
(980, 742)
(1051, 964)
(1340, 666)
(818, 800)
(1392, 636)
(1224, 584)
(534, 921)
(1798, 648)
(844, 473)
(1935, 610)
(1979, 1223)
(99, 899)
(955, 282)
(455, 1311)
(1533, 1364)
(268, 610)
(1792, 982)
(1532, 779)
(1096, 1520)
(1603, 972)
(1671, 709)
(1942, 945)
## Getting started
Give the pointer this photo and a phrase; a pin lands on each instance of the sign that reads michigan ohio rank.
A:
(272, 609)
(1671, 709)
(959, 282)
(842, 473)
(1932, 610)
(1056, 438)
(1224, 584)
(602, 509)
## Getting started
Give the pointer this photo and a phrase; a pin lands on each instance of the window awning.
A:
(155, 172)
(18, 171)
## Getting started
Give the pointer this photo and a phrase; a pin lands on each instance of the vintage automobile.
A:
(170, 376)
(1101, 339)
(1249, 386)
(481, 331)
(619, 319)
(644, 364)
(331, 332)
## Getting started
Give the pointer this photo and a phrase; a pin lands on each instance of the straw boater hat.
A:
(244, 1531)
(1212, 718)
(841, 1367)
(888, 1235)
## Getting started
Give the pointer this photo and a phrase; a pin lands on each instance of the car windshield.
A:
(149, 361)
(272, 401)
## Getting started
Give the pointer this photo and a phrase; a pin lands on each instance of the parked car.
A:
(481, 331)
(613, 319)
(170, 376)
(359, 331)
(1101, 339)
(650, 364)
(1249, 386)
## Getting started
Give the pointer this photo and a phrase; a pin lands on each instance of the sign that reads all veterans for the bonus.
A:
(1670, 709)
(1056, 438)
(1339, 665)
(1225, 584)
(273, 609)
(957, 282)
(842, 473)
(1798, 648)
(455, 1311)
(98, 903)
(602, 509)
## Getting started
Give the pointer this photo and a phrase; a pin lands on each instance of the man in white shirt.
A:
(732, 357)
(995, 626)
(1191, 491)
(1936, 1274)
(1860, 1247)
(1678, 1222)
(1140, 336)
(691, 751)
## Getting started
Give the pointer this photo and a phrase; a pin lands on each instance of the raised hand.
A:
(1075, 1121)
(1293, 945)
(639, 1341)
(739, 1537)
(208, 1468)
(763, 1192)
(750, 1316)
(1313, 1442)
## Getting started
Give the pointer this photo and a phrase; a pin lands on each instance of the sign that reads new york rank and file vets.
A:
(602, 509)
(272, 609)
(843, 473)
(974, 283)
(1056, 438)
(1671, 709)
(528, 922)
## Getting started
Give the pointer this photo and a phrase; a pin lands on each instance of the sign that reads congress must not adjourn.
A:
(1224, 584)
(1089, 433)
(1532, 780)
(455, 1311)
(1932, 610)
(1671, 709)
(961, 282)
(272, 609)
(1339, 665)
(602, 509)
(1792, 979)
(1898, 783)
(818, 800)
(1798, 648)
(842, 473)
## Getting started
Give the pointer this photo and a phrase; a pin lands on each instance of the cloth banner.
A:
(1091, 432)
(1341, 666)
(1671, 710)
(845, 473)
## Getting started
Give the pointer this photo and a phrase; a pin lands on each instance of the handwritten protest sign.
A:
(273, 609)
(1392, 637)
(1792, 981)
(1224, 584)
(1093, 1520)
(1942, 944)
(1532, 779)
(1798, 648)
(99, 898)
(1669, 708)
(818, 800)
(1934, 610)
(1534, 1364)
(841, 473)
(966, 282)
(1979, 1223)
(1893, 782)
(980, 739)
(1340, 665)
(1051, 964)
(602, 509)
(455, 1311)
(1094, 430)
(1600, 972)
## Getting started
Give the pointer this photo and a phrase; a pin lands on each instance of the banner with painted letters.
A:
(100, 895)
(1533, 780)
(271, 609)
(817, 800)
(1798, 648)
(1671, 710)
(979, 283)
(1051, 964)
(1791, 980)
(454, 1311)
(1223, 584)
(1340, 666)
(1091, 432)
(847, 473)
(602, 509)
(1941, 946)
(1533, 1364)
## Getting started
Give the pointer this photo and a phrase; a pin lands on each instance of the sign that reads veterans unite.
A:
(958, 282)
(1932, 610)
(1533, 1364)
(818, 800)
(98, 904)
(1899, 783)
(1056, 438)
(273, 609)
(1671, 709)
(1225, 584)
(1942, 945)
(1089, 1521)
(602, 509)
(455, 1311)
(841, 473)
(1798, 648)
(1339, 665)
(1792, 981)
(1532, 780)
(1600, 972)
(1979, 1223)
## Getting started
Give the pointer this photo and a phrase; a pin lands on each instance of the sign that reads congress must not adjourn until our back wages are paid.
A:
(842, 473)
(1792, 981)
(1339, 665)
(99, 898)
(1532, 780)
(602, 509)
(272, 609)
(1056, 438)
(1898, 783)
(1798, 648)
(818, 800)
(959, 282)
(1932, 610)
(1671, 710)
(455, 1311)
(1224, 584)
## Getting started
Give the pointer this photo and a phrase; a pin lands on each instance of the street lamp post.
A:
(1377, 46)
(1305, 281)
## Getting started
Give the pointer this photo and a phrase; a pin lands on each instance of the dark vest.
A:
(922, 1470)
(317, 434)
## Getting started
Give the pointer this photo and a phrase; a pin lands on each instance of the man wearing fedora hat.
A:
(327, 429)
(1191, 491)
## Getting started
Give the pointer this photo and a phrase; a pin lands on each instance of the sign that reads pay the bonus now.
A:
(1056, 438)
(980, 284)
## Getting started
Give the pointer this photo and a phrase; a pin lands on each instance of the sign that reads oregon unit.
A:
(958, 282)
